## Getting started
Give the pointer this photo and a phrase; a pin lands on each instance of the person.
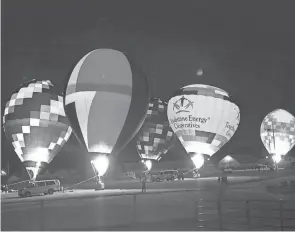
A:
(143, 183)
(182, 175)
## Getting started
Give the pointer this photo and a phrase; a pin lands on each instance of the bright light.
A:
(39, 155)
(148, 164)
(199, 72)
(35, 170)
(228, 158)
(278, 145)
(282, 147)
(276, 158)
(3, 173)
(101, 148)
(198, 160)
(150, 156)
(199, 147)
(101, 164)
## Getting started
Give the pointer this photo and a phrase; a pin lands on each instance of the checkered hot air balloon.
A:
(106, 100)
(35, 122)
(155, 136)
(204, 118)
(277, 132)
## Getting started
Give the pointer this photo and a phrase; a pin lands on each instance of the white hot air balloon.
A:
(204, 119)
(277, 133)
(106, 99)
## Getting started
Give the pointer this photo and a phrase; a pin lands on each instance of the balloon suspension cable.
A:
(95, 172)
(81, 182)
(191, 170)
(18, 182)
(96, 176)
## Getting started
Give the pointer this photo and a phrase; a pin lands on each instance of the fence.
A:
(185, 210)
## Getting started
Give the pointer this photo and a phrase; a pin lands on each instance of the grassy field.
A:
(183, 210)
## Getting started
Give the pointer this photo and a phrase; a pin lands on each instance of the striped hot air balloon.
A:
(204, 118)
(277, 132)
(106, 100)
(35, 122)
(155, 136)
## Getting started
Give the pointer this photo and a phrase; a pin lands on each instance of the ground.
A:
(178, 205)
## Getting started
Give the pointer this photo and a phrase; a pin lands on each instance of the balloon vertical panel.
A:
(106, 100)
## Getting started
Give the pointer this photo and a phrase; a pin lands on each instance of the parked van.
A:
(39, 187)
(164, 175)
(130, 175)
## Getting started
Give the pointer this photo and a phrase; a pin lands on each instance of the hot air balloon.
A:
(277, 133)
(106, 100)
(228, 162)
(204, 119)
(155, 136)
(35, 122)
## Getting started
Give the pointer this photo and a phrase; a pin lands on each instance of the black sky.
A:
(244, 47)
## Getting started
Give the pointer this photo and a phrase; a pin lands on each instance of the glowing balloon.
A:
(198, 160)
(276, 158)
(203, 117)
(228, 162)
(106, 100)
(148, 164)
(101, 164)
(277, 132)
(35, 122)
(155, 136)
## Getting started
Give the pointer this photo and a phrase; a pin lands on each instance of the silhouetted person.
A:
(143, 184)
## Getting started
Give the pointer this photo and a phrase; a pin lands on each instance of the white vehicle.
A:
(40, 187)
(130, 175)
(164, 175)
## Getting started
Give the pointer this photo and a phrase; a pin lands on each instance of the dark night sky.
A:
(244, 47)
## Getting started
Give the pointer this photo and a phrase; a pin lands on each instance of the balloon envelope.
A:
(228, 162)
(277, 132)
(155, 136)
(106, 100)
(203, 117)
(35, 122)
